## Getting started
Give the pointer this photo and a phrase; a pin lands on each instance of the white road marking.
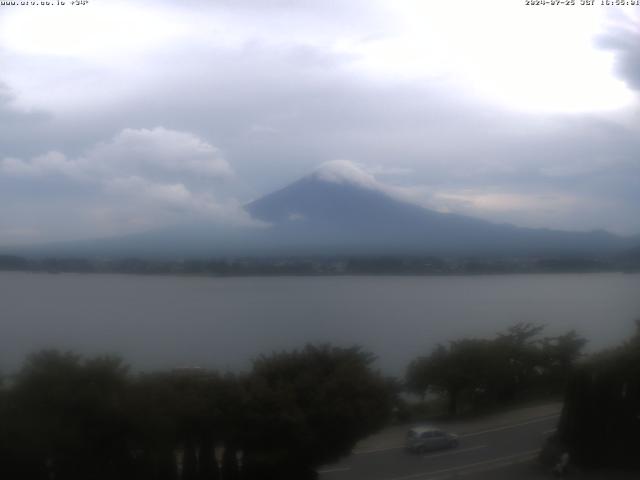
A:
(507, 427)
(547, 432)
(334, 470)
(522, 456)
(453, 452)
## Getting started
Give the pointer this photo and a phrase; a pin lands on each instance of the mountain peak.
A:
(345, 172)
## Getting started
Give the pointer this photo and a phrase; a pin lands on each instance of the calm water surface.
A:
(164, 321)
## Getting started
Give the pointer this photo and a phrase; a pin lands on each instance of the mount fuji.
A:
(346, 212)
(340, 210)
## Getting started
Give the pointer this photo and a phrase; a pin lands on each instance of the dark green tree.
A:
(461, 368)
(559, 355)
(183, 415)
(66, 418)
(516, 364)
(309, 407)
(600, 422)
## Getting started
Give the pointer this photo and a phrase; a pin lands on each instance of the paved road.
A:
(479, 452)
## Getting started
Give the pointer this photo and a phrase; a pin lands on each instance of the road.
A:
(480, 451)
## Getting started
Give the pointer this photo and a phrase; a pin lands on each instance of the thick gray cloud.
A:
(623, 38)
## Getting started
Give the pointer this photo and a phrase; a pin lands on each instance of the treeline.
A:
(362, 265)
(67, 417)
(519, 364)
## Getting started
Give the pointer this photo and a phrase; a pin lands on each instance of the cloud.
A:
(501, 202)
(176, 194)
(51, 163)
(21, 128)
(390, 170)
(175, 202)
(585, 167)
(141, 178)
(547, 206)
(623, 38)
(361, 175)
(280, 87)
(345, 171)
(18, 234)
(158, 153)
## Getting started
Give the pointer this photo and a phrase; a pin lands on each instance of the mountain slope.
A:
(344, 215)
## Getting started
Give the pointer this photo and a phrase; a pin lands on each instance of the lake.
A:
(168, 321)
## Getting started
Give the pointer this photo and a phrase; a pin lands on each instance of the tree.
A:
(600, 421)
(518, 360)
(66, 418)
(496, 371)
(462, 367)
(559, 355)
(184, 413)
(309, 407)
(71, 418)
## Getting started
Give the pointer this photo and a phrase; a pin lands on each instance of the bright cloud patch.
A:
(160, 151)
(139, 178)
(151, 153)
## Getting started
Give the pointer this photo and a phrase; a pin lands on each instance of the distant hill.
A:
(334, 215)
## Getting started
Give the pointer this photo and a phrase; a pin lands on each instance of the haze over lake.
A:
(167, 321)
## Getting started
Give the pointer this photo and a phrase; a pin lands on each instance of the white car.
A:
(424, 438)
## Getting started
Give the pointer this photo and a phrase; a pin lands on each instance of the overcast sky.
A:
(122, 116)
